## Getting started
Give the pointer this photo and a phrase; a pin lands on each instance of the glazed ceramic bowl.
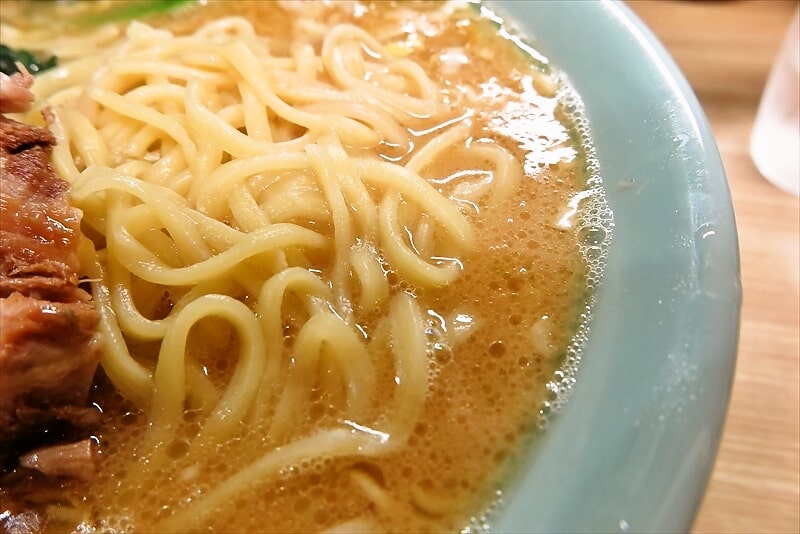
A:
(633, 448)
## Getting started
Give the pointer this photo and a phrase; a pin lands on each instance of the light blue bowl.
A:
(634, 447)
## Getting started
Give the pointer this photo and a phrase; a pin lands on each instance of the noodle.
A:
(178, 105)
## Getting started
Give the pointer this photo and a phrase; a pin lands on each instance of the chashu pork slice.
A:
(49, 347)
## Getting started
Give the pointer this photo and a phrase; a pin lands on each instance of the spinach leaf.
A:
(9, 57)
(128, 10)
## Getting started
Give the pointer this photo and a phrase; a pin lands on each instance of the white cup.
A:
(775, 140)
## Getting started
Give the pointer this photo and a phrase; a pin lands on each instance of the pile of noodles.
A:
(269, 192)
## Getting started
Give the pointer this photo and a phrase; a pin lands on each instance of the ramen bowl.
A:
(633, 448)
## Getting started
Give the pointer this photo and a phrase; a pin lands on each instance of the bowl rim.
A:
(634, 447)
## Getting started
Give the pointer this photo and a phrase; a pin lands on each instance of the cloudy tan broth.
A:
(525, 290)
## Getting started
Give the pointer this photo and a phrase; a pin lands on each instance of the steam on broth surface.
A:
(341, 252)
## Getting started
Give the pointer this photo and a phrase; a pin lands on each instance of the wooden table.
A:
(725, 49)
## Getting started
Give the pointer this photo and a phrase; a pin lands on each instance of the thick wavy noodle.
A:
(265, 213)
(177, 149)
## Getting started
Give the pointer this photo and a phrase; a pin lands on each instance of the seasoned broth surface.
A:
(503, 335)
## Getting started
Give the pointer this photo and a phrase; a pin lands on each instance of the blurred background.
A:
(726, 48)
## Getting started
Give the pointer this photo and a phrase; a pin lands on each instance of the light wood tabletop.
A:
(725, 49)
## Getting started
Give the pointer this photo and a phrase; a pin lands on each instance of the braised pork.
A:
(49, 348)
(15, 93)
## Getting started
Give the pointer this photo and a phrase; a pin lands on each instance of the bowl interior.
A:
(633, 448)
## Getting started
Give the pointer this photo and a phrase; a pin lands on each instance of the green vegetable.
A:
(118, 11)
(9, 57)
(132, 9)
